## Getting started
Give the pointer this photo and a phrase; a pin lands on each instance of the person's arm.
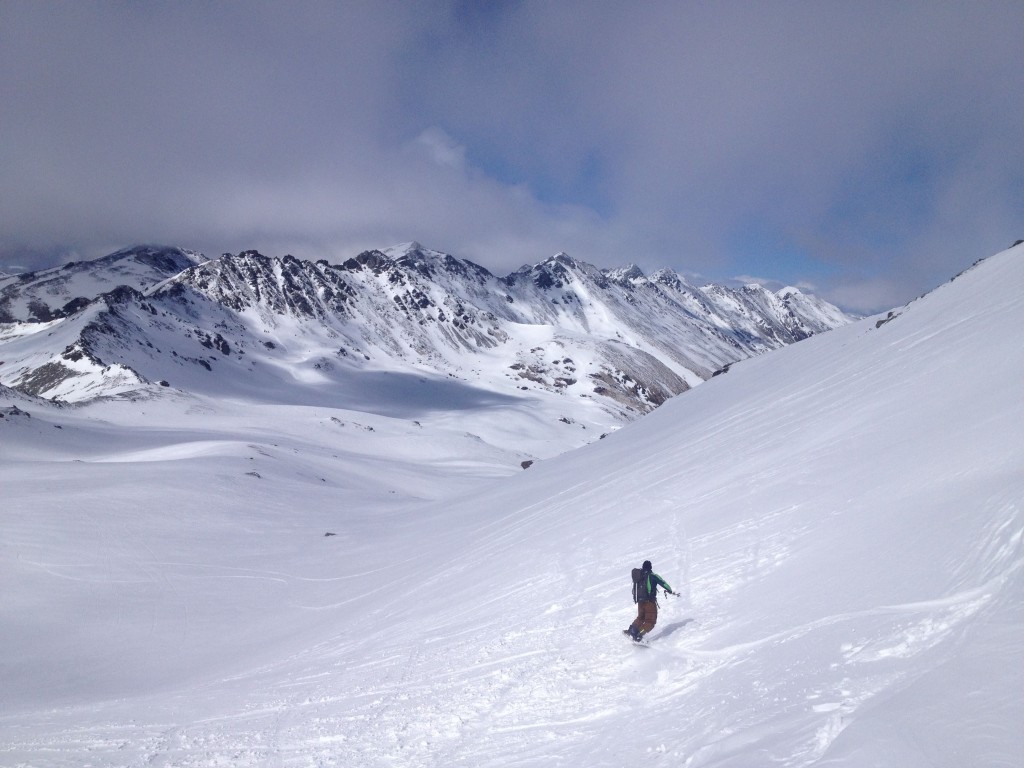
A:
(664, 584)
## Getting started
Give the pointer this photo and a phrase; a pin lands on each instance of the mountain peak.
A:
(626, 274)
(413, 251)
(670, 278)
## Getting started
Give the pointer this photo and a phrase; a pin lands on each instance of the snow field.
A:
(842, 517)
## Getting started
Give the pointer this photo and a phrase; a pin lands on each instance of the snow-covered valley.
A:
(843, 517)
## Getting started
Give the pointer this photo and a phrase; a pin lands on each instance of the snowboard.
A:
(642, 643)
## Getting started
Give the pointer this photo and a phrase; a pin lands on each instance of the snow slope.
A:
(843, 518)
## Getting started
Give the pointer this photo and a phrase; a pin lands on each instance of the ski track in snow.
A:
(429, 705)
(432, 703)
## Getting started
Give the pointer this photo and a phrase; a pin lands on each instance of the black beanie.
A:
(648, 566)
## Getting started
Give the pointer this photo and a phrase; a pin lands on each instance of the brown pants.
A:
(646, 616)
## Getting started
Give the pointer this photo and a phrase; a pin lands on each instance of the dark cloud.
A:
(868, 149)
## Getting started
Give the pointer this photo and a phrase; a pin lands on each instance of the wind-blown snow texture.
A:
(843, 518)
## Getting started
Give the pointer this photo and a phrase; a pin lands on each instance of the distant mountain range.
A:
(150, 317)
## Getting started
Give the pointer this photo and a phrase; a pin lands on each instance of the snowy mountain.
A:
(51, 293)
(614, 342)
(842, 518)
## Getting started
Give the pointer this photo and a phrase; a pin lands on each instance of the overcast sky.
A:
(867, 151)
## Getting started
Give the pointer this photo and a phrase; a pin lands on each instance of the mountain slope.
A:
(843, 518)
(52, 293)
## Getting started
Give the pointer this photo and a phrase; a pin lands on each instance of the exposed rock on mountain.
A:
(615, 338)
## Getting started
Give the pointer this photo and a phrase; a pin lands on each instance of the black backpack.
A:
(639, 586)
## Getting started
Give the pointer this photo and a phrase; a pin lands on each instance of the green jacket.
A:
(647, 587)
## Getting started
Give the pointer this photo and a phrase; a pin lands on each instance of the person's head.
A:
(648, 566)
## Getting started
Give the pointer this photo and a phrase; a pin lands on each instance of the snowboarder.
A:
(645, 595)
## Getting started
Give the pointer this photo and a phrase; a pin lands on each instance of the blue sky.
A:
(865, 150)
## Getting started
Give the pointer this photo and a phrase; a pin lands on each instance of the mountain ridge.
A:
(48, 294)
(617, 337)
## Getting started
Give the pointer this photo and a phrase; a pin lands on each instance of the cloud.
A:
(442, 148)
(840, 128)
(871, 149)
